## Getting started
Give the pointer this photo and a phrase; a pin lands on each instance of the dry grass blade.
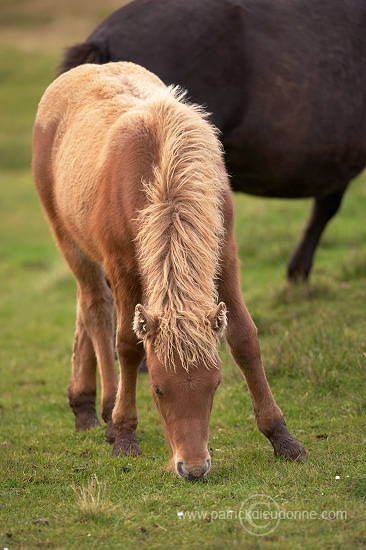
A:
(92, 498)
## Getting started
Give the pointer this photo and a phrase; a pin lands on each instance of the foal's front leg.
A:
(242, 339)
(130, 355)
(124, 414)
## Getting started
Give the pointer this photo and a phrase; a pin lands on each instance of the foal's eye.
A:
(157, 391)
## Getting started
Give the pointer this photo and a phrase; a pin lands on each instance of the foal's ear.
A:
(218, 319)
(143, 323)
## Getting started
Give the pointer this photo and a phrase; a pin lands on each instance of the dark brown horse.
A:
(134, 186)
(285, 81)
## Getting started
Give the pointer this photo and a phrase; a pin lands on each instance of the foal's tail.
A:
(86, 52)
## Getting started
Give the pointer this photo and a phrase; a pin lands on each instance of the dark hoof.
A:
(297, 277)
(126, 448)
(83, 406)
(284, 444)
(289, 448)
(125, 443)
(110, 433)
(297, 272)
(85, 421)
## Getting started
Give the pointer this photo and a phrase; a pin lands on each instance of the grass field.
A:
(63, 490)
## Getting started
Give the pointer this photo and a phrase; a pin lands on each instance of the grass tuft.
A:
(92, 499)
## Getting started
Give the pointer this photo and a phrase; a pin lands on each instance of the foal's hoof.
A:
(125, 443)
(125, 447)
(85, 421)
(110, 432)
(284, 444)
(289, 448)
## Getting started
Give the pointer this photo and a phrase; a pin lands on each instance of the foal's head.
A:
(183, 393)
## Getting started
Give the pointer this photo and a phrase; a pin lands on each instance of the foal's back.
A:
(91, 132)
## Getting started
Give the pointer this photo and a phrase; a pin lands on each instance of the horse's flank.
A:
(177, 226)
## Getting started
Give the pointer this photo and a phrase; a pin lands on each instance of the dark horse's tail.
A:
(86, 52)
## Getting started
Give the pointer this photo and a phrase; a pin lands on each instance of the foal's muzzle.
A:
(194, 470)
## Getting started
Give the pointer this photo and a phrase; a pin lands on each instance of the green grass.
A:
(313, 342)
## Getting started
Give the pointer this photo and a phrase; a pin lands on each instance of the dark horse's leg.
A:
(241, 336)
(143, 366)
(323, 210)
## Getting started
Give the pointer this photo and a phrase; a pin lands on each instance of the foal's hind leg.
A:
(82, 389)
(242, 338)
(93, 337)
(95, 319)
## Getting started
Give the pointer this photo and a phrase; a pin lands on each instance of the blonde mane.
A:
(181, 229)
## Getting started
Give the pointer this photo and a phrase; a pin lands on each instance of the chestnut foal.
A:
(133, 183)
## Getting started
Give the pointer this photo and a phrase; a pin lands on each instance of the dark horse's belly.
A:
(261, 169)
(294, 164)
(302, 125)
(285, 82)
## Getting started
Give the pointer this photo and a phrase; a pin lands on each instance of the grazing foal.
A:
(133, 182)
